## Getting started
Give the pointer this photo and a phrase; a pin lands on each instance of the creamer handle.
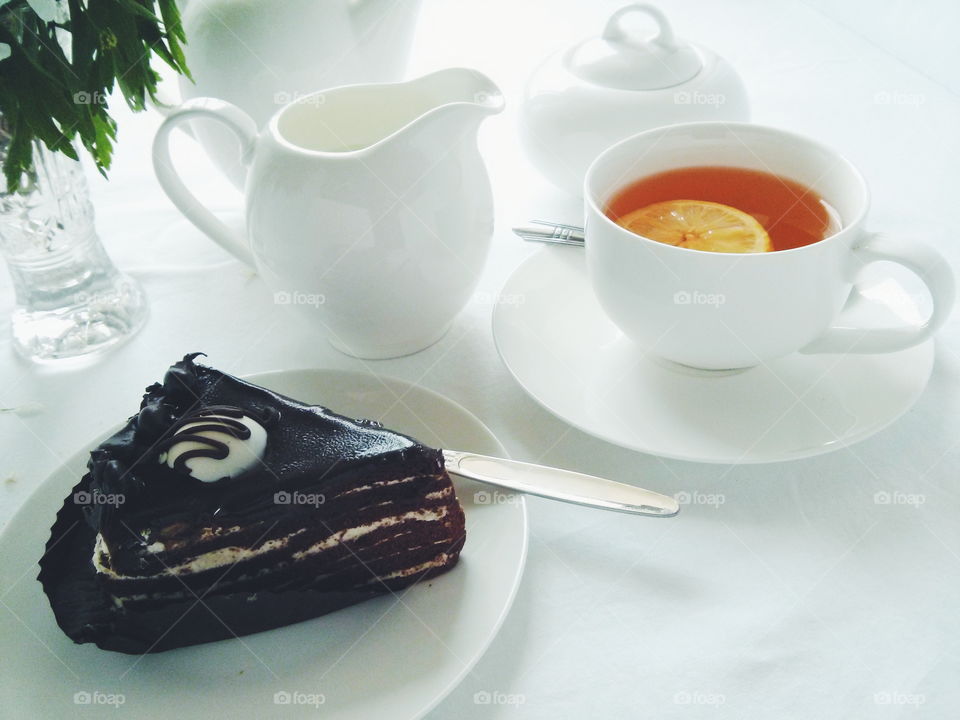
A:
(246, 131)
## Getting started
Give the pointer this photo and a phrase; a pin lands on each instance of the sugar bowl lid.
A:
(621, 60)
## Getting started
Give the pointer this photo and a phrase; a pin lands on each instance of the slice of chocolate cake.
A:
(223, 509)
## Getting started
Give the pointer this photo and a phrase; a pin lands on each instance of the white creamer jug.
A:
(368, 207)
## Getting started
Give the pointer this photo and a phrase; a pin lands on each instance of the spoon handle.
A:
(557, 484)
(550, 232)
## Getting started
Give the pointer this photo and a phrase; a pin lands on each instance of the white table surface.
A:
(799, 596)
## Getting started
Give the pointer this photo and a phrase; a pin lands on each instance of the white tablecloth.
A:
(799, 596)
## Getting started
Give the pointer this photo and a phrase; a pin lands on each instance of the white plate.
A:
(386, 657)
(560, 346)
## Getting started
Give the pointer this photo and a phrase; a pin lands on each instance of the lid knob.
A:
(615, 32)
(620, 59)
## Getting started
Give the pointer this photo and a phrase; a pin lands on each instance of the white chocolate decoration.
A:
(216, 444)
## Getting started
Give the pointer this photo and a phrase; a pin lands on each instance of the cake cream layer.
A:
(218, 542)
(387, 544)
(230, 555)
(391, 537)
(366, 566)
(376, 573)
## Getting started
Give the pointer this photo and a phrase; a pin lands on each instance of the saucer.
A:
(560, 346)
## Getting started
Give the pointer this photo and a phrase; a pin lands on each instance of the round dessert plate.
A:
(396, 656)
(563, 350)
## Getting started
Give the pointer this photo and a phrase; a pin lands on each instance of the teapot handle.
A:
(246, 131)
(166, 102)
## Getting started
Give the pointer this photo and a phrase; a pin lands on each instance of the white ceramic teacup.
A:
(721, 310)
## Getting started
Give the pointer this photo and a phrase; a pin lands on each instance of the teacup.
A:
(719, 311)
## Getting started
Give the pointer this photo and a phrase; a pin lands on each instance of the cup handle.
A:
(929, 265)
(246, 131)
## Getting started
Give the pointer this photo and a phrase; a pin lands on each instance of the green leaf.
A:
(176, 37)
(19, 152)
(51, 96)
(135, 8)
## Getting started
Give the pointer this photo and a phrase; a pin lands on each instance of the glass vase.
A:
(71, 300)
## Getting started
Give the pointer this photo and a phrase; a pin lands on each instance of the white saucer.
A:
(563, 350)
(392, 656)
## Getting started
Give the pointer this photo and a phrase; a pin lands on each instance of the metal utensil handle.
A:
(550, 232)
(557, 484)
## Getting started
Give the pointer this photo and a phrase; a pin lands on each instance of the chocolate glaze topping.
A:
(312, 450)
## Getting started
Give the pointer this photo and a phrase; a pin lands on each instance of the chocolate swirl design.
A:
(203, 427)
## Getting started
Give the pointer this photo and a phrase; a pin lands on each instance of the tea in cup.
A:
(725, 245)
(735, 210)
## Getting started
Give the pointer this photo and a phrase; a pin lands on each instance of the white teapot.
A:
(585, 98)
(261, 54)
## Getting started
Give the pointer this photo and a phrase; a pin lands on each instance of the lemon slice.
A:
(699, 225)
